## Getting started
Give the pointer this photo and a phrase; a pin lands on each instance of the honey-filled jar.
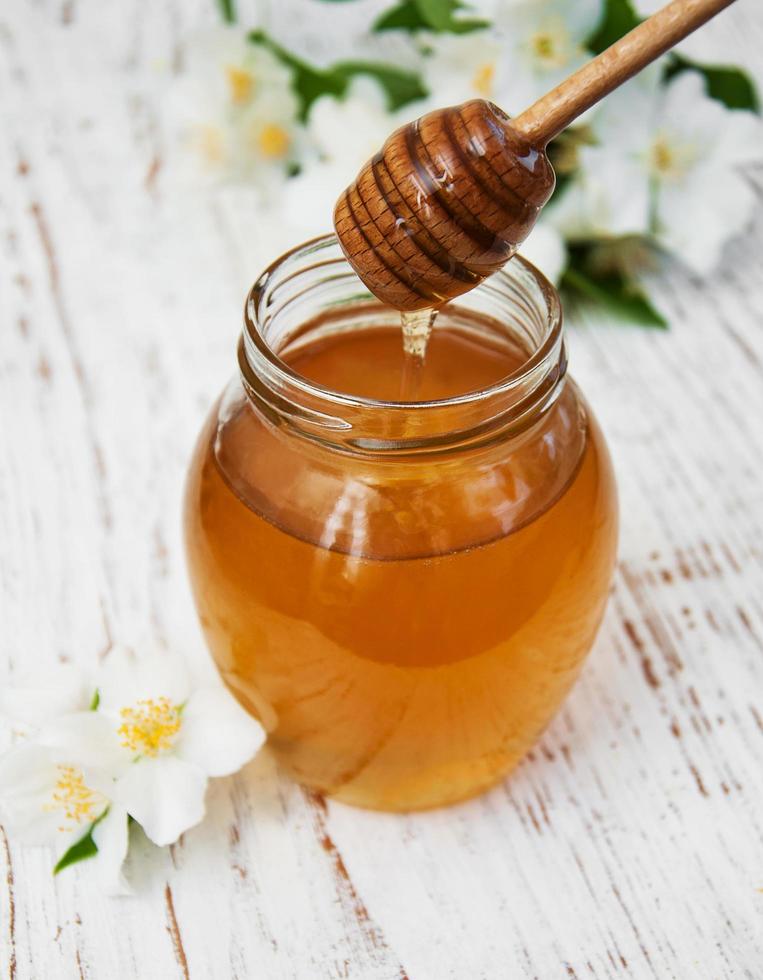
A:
(402, 588)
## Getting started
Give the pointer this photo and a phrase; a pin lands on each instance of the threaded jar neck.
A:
(314, 283)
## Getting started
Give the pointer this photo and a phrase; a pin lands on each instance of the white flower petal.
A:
(701, 199)
(617, 191)
(217, 734)
(211, 53)
(581, 17)
(307, 199)
(234, 113)
(699, 217)
(720, 134)
(115, 678)
(688, 115)
(609, 197)
(36, 698)
(461, 67)
(545, 249)
(125, 678)
(532, 68)
(87, 739)
(569, 212)
(625, 121)
(26, 769)
(347, 131)
(740, 138)
(523, 18)
(165, 795)
(29, 774)
(111, 837)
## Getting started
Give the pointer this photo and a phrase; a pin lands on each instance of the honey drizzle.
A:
(417, 329)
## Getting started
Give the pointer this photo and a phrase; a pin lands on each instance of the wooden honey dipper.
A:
(449, 197)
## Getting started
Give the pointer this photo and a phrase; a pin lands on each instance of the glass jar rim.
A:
(253, 309)
(317, 276)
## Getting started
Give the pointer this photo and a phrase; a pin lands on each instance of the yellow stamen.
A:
(670, 160)
(543, 46)
(240, 84)
(483, 79)
(78, 802)
(150, 726)
(552, 45)
(272, 141)
(662, 156)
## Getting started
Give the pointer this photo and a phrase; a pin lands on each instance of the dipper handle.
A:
(547, 117)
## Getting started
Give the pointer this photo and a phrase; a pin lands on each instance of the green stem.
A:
(228, 10)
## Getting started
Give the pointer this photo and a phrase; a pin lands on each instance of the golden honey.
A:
(404, 600)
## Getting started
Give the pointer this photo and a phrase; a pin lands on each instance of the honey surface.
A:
(371, 364)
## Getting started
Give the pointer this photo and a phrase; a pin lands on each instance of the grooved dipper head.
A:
(444, 204)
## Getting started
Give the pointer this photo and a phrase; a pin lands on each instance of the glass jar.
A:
(401, 592)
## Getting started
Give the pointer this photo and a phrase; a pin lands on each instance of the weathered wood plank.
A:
(630, 843)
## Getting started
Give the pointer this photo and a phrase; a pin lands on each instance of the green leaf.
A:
(406, 16)
(615, 295)
(619, 18)
(428, 15)
(731, 86)
(400, 85)
(440, 16)
(310, 83)
(95, 700)
(437, 13)
(83, 849)
(228, 10)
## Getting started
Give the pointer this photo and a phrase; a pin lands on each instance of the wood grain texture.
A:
(628, 845)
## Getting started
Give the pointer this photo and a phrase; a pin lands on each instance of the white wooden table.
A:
(629, 844)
